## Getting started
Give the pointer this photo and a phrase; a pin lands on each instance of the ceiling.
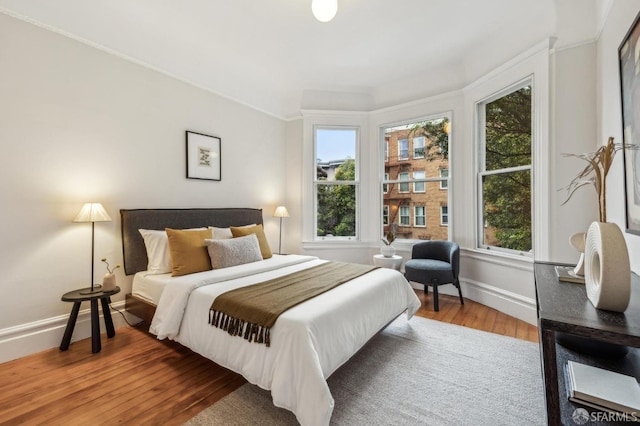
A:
(274, 56)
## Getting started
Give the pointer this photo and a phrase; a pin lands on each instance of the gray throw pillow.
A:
(233, 251)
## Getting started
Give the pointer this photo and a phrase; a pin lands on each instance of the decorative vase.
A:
(387, 251)
(607, 271)
(108, 282)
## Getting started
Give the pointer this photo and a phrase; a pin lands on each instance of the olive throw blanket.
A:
(251, 311)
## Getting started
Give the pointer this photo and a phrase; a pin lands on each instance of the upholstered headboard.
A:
(133, 249)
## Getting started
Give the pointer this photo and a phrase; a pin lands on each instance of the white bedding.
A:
(308, 342)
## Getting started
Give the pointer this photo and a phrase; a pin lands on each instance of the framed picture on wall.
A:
(629, 61)
(203, 156)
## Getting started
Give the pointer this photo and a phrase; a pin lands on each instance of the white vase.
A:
(108, 282)
(387, 251)
(607, 271)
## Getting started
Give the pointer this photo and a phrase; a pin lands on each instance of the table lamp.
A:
(281, 211)
(92, 212)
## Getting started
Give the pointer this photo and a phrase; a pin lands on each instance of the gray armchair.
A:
(434, 263)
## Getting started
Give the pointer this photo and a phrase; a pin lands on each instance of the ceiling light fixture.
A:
(324, 10)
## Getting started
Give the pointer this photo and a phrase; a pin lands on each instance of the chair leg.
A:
(436, 306)
(426, 289)
(457, 284)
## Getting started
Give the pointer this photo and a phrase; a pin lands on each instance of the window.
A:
(410, 185)
(336, 181)
(386, 151)
(444, 182)
(418, 186)
(418, 216)
(418, 147)
(444, 215)
(385, 215)
(403, 149)
(403, 187)
(504, 175)
(404, 216)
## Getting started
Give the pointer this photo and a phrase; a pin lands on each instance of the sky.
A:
(335, 144)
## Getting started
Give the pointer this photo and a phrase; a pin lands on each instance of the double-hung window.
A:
(404, 186)
(336, 181)
(504, 178)
(403, 149)
(418, 147)
(405, 219)
(413, 182)
(419, 186)
(444, 215)
(419, 216)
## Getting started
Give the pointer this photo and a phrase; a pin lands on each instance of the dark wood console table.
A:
(564, 308)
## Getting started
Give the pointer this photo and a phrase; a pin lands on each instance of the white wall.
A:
(609, 113)
(78, 125)
(573, 130)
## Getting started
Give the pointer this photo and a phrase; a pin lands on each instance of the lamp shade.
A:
(281, 211)
(324, 10)
(92, 212)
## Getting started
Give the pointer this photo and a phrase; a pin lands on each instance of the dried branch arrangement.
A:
(595, 173)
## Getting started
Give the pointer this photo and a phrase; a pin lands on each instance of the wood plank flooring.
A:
(139, 380)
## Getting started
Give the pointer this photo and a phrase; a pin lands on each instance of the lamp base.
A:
(96, 289)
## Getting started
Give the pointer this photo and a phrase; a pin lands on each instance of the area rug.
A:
(417, 372)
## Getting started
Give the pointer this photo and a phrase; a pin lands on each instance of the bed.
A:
(308, 341)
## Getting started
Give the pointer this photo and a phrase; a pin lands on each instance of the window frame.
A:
(399, 150)
(402, 182)
(444, 184)
(356, 182)
(400, 216)
(416, 216)
(418, 156)
(443, 214)
(480, 110)
(420, 181)
(383, 127)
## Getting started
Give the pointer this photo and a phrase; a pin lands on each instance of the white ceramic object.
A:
(607, 270)
(387, 251)
(578, 241)
(108, 282)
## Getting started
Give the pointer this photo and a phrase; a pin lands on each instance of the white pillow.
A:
(225, 233)
(157, 245)
(233, 251)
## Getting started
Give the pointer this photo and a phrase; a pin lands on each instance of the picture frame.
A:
(203, 156)
(630, 99)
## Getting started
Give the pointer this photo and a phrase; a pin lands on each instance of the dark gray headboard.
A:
(133, 249)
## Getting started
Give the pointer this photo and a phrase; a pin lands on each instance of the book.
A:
(602, 389)
(566, 274)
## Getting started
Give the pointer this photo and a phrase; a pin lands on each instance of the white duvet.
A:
(308, 342)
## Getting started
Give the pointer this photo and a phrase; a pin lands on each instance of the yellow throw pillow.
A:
(188, 251)
(259, 231)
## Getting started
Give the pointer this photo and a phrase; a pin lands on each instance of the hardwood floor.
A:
(137, 379)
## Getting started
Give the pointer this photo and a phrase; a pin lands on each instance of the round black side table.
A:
(77, 297)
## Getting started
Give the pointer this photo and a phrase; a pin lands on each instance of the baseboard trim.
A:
(26, 339)
(516, 305)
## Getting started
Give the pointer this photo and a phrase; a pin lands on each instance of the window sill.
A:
(501, 258)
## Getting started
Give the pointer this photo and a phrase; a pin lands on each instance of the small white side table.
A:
(393, 262)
